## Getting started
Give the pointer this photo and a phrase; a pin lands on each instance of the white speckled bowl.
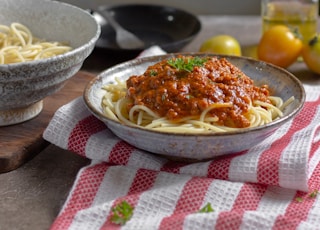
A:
(24, 85)
(199, 146)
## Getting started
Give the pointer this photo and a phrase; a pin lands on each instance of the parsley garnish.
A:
(186, 64)
(206, 209)
(153, 73)
(188, 96)
(121, 213)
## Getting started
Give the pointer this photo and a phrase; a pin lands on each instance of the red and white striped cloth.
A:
(255, 189)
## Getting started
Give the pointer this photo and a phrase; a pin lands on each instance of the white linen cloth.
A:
(269, 186)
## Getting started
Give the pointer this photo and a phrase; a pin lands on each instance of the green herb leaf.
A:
(299, 199)
(314, 194)
(206, 209)
(153, 73)
(121, 213)
(186, 64)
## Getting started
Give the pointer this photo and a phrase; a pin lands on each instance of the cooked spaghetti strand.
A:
(17, 44)
(229, 102)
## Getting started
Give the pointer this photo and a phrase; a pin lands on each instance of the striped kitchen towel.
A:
(273, 185)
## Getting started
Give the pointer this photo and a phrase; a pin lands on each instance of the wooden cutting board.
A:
(21, 142)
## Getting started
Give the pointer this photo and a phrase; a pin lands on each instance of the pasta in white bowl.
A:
(212, 97)
(18, 44)
(192, 141)
(43, 43)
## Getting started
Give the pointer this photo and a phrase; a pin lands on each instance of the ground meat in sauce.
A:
(175, 93)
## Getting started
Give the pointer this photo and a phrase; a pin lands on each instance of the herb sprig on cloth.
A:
(122, 213)
(206, 209)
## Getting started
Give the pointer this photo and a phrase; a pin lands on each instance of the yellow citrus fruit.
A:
(221, 44)
(311, 54)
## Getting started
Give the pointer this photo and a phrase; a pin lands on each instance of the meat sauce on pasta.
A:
(187, 94)
(171, 90)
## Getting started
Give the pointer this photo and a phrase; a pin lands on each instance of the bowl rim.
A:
(72, 52)
(273, 124)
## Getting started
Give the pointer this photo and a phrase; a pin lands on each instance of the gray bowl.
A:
(24, 85)
(199, 146)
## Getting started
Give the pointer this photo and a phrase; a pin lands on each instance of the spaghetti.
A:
(191, 95)
(17, 44)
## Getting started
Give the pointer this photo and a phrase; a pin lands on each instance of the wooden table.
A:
(32, 195)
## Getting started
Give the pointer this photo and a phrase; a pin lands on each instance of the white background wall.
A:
(194, 6)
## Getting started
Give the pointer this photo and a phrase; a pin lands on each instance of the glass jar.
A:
(300, 15)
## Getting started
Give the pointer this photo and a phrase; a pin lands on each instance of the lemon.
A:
(221, 44)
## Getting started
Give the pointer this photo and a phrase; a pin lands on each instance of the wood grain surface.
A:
(21, 142)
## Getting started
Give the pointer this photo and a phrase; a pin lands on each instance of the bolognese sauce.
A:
(185, 86)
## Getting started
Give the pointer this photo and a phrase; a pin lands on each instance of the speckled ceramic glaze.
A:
(199, 146)
(24, 85)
